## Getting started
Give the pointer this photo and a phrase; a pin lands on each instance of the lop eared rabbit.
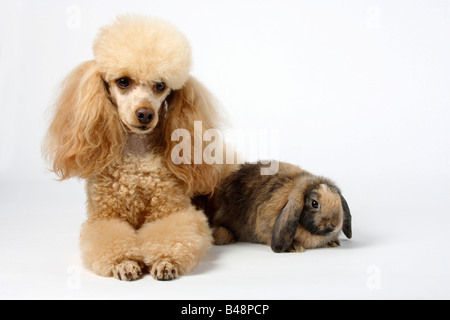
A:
(291, 211)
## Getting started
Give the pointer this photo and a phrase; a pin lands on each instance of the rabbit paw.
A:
(333, 244)
(296, 247)
(222, 236)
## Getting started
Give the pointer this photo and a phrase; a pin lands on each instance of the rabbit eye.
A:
(315, 204)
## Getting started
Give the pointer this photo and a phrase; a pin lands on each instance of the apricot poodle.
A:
(112, 126)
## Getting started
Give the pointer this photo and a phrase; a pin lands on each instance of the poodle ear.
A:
(286, 225)
(192, 103)
(85, 134)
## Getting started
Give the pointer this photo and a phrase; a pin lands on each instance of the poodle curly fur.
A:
(140, 215)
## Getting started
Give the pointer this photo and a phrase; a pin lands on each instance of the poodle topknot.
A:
(145, 48)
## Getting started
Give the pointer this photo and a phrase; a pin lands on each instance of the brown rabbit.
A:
(291, 210)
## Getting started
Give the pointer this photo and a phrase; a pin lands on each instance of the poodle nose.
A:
(145, 115)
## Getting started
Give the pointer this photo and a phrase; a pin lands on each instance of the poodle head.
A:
(141, 60)
(139, 79)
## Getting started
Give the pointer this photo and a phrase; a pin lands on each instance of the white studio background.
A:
(358, 91)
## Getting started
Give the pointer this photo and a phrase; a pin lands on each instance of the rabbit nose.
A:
(332, 225)
(145, 115)
(328, 225)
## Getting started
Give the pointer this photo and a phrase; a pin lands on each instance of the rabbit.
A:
(291, 211)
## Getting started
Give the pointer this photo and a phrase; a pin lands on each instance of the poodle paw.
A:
(127, 270)
(164, 270)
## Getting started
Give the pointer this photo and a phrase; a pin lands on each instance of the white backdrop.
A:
(356, 90)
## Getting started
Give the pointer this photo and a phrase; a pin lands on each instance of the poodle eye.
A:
(160, 86)
(123, 83)
(315, 204)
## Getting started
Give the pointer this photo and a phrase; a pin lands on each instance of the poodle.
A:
(112, 126)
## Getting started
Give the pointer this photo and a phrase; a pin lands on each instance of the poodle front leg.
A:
(108, 247)
(173, 245)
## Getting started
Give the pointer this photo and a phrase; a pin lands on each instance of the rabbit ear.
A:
(347, 227)
(286, 225)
